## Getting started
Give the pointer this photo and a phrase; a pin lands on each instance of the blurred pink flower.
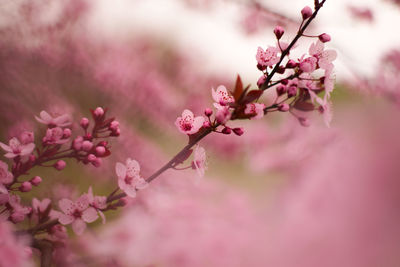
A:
(268, 57)
(325, 57)
(255, 109)
(15, 148)
(78, 213)
(60, 121)
(129, 179)
(6, 177)
(199, 160)
(97, 202)
(18, 211)
(188, 124)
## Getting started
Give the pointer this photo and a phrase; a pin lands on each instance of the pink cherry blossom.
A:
(199, 160)
(325, 57)
(188, 124)
(6, 177)
(15, 148)
(54, 136)
(223, 115)
(325, 109)
(97, 202)
(221, 97)
(129, 179)
(78, 213)
(27, 137)
(308, 64)
(268, 57)
(60, 121)
(18, 211)
(256, 109)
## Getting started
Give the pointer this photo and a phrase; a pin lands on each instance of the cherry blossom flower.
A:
(325, 57)
(223, 115)
(54, 136)
(325, 109)
(221, 97)
(78, 213)
(129, 179)
(15, 148)
(199, 161)
(60, 121)
(308, 64)
(256, 109)
(188, 124)
(268, 57)
(27, 137)
(97, 202)
(18, 211)
(6, 177)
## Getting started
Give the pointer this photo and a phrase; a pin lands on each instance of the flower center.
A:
(77, 213)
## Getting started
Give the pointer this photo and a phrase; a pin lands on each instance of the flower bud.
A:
(25, 187)
(226, 130)
(324, 37)
(279, 31)
(292, 91)
(238, 131)
(36, 180)
(60, 165)
(304, 121)
(91, 157)
(100, 150)
(67, 133)
(77, 143)
(117, 132)
(114, 125)
(261, 81)
(291, 64)
(208, 112)
(103, 143)
(97, 162)
(98, 112)
(306, 12)
(281, 70)
(87, 145)
(32, 158)
(284, 107)
(206, 124)
(84, 123)
(281, 89)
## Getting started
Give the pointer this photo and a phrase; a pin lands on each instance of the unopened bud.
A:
(291, 64)
(87, 145)
(208, 112)
(25, 187)
(279, 31)
(36, 180)
(67, 133)
(292, 91)
(238, 131)
(281, 89)
(261, 81)
(97, 162)
(60, 165)
(226, 130)
(284, 107)
(91, 157)
(100, 150)
(84, 123)
(306, 12)
(324, 37)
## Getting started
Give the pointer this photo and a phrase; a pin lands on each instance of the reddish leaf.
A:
(304, 106)
(251, 96)
(237, 92)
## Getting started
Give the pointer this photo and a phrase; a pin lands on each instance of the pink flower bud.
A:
(26, 137)
(285, 81)
(97, 162)
(100, 150)
(98, 112)
(279, 31)
(226, 130)
(208, 112)
(324, 37)
(281, 89)
(261, 81)
(117, 132)
(17, 217)
(60, 165)
(284, 107)
(88, 136)
(306, 12)
(292, 91)
(36, 180)
(84, 123)
(67, 133)
(32, 158)
(238, 131)
(291, 64)
(114, 125)
(77, 143)
(87, 145)
(206, 124)
(304, 121)
(281, 70)
(25, 187)
(91, 157)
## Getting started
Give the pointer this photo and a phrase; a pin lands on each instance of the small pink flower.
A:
(325, 109)
(308, 64)
(129, 179)
(199, 160)
(97, 202)
(221, 97)
(188, 124)
(54, 136)
(6, 177)
(18, 211)
(255, 109)
(268, 57)
(78, 213)
(40, 206)
(15, 148)
(60, 121)
(324, 57)
(223, 115)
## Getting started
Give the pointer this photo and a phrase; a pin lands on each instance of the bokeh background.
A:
(280, 195)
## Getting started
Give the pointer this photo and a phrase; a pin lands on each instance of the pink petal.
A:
(44, 204)
(141, 184)
(178, 125)
(5, 147)
(3, 189)
(78, 226)
(27, 149)
(103, 217)
(214, 95)
(65, 219)
(35, 204)
(120, 169)
(63, 119)
(130, 190)
(40, 120)
(10, 155)
(90, 215)
(198, 122)
(187, 113)
(45, 116)
(82, 203)
(90, 195)
(133, 167)
(66, 205)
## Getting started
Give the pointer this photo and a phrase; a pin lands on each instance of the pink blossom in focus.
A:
(60, 121)
(78, 213)
(308, 64)
(129, 179)
(97, 202)
(268, 57)
(255, 109)
(15, 148)
(325, 57)
(54, 136)
(221, 97)
(188, 124)
(199, 160)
